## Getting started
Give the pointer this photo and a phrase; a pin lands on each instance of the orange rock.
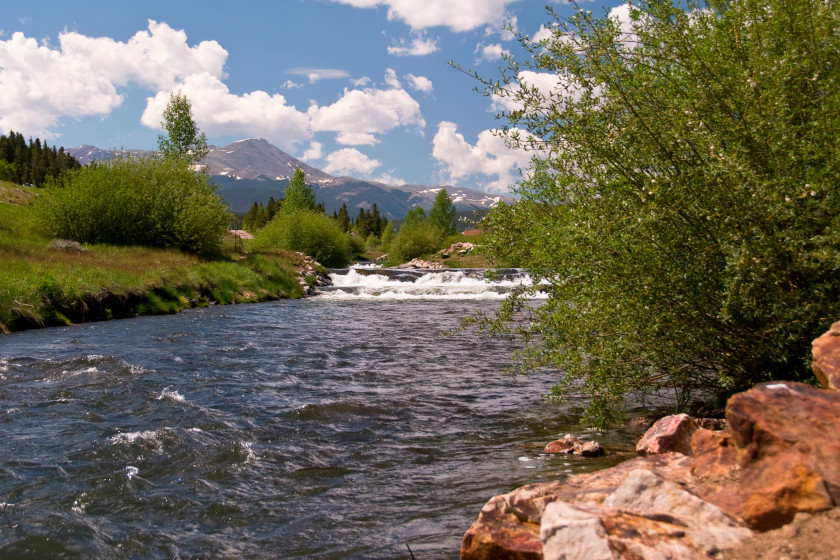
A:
(789, 450)
(776, 488)
(826, 353)
(571, 444)
(566, 444)
(714, 453)
(671, 433)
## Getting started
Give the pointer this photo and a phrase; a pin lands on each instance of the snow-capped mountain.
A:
(253, 170)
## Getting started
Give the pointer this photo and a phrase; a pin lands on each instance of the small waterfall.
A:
(418, 284)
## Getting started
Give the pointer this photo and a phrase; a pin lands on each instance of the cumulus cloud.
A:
(83, 76)
(316, 74)
(220, 113)
(420, 83)
(40, 84)
(542, 34)
(315, 152)
(389, 179)
(489, 157)
(489, 53)
(391, 78)
(463, 15)
(361, 114)
(347, 161)
(419, 46)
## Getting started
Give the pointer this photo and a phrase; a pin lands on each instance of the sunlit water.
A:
(332, 427)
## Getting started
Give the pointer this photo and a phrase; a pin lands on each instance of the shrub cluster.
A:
(307, 231)
(152, 202)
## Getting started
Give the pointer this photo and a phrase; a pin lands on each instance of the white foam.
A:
(171, 395)
(131, 472)
(446, 285)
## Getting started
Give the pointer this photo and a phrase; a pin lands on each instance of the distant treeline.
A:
(33, 162)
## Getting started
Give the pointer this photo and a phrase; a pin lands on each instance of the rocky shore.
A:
(764, 486)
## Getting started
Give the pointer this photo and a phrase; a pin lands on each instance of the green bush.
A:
(415, 238)
(149, 202)
(684, 210)
(309, 232)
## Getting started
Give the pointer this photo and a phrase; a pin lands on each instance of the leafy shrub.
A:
(150, 202)
(685, 211)
(415, 238)
(309, 232)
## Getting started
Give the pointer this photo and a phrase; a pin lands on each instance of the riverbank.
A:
(47, 282)
(767, 485)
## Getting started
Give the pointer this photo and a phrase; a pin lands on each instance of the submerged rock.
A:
(570, 444)
(420, 263)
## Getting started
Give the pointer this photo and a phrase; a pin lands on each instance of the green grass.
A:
(40, 286)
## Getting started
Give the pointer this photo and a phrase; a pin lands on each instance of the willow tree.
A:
(683, 205)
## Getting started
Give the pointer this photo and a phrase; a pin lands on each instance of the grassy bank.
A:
(44, 283)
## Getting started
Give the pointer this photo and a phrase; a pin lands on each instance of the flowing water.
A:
(341, 426)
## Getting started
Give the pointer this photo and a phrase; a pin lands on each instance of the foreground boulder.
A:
(646, 517)
(788, 440)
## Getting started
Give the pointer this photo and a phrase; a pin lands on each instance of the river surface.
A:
(341, 426)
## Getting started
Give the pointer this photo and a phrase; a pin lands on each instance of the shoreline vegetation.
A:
(47, 282)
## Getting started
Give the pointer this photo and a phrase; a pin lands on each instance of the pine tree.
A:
(343, 219)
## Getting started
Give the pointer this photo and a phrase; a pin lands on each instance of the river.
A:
(340, 426)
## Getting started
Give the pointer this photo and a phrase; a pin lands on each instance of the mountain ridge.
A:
(253, 170)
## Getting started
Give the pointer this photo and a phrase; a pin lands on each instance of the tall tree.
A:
(343, 218)
(298, 195)
(442, 213)
(182, 140)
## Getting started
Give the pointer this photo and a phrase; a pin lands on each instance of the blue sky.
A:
(353, 87)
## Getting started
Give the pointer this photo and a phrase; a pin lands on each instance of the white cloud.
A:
(505, 27)
(391, 78)
(317, 74)
(460, 15)
(350, 160)
(420, 83)
(315, 152)
(389, 179)
(361, 82)
(361, 114)
(542, 34)
(490, 157)
(489, 53)
(289, 84)
(39, 84)
(419, 46)
(220, 113)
